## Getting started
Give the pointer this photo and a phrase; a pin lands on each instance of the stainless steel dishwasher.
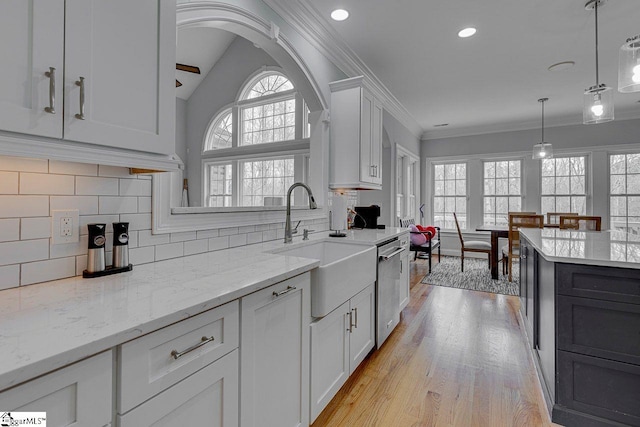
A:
(387, 289)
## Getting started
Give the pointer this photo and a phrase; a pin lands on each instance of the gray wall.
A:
(219, 88)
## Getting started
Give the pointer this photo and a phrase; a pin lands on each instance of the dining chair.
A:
(517, 221)
(426, 249)
(580, 222)
(471, 245)
(554, 217)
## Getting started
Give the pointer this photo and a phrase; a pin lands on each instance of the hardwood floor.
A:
(458, 358)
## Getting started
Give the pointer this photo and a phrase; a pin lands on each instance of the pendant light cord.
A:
(597, 72)
(542, 123)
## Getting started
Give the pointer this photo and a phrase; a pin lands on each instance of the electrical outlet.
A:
(65, 226)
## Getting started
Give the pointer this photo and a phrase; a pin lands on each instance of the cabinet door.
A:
(31, 41)
(329, 357)
(376, 141)
(404, 281)
(545, 322)
(275, 355)
(78, 395)
(529, 268)
(125, 51)
(208, 397)
(366, 117)
(363, 331)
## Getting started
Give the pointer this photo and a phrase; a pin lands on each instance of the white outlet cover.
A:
(57, 216)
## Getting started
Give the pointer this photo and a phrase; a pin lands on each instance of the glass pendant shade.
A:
(542, 150)
(629, 66)
(598, 105)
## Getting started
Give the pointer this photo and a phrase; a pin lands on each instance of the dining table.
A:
(497, 231)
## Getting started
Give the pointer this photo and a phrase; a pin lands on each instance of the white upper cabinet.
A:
(31, 44)
(356, 136)
(113, 83)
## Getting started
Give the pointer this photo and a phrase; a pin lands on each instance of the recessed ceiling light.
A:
(339, 15)
(441, 125)
(467, 32)
(560, 66)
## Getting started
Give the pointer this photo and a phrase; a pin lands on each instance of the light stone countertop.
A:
(49, 325)
(603, 248)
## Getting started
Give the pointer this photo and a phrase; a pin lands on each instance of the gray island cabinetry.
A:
(580, 304)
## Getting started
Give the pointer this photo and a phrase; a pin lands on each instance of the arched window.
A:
(220, 134)
(257, 168)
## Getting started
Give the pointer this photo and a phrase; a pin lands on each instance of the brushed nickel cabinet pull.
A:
(289, 289)
(350, 328)
(371, 170)
(51, 109)
(178, 354)
(355, 310)
(80, 83)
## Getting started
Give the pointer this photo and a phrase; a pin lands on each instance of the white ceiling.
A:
(491, 81)
(201, 47)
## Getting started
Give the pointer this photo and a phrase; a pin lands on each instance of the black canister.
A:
(95, 251)
(120, 244)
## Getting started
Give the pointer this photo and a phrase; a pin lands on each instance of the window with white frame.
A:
(624, 192)
(563, 186)
(412, 188)
(247, 159)
(400, 208)
(450, 195)
(502, 190)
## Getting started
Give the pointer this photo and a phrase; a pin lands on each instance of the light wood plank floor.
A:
(458, 358)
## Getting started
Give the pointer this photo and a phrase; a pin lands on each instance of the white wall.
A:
(594, 141)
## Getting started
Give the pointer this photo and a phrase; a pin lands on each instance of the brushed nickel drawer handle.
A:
(178, 354)
(289, 289)
(355, 310)
(81, 84)
(51, 109)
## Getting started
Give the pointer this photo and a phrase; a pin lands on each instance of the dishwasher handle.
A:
(386, 257)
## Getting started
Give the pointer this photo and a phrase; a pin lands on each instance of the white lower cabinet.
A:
(77, 395)
(339, 343)
(208, 397)
(274, 360)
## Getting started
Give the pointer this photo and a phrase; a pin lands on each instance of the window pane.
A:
(502, 190)
(439, 188)
(450, 182)
(548, 185)
(461, 189)
(548, 167)
(220, 132)
(264, 182)
(548, 204)
(461, 171)
(439, 172)
(633, 163)
(617, 164)
(618, 206)
(219, 180)
(618, 184)
(562, 185)
(563, 182)
(633, 184)
(490, 170)
(579, 205)
(269, 84)
(577, 185)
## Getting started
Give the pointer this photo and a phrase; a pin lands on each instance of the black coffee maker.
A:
(367, 216)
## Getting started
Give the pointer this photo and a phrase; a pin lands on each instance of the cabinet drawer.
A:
(599, 387)
(208, 397)
(599, 328)
(147, 365)
(606, 283)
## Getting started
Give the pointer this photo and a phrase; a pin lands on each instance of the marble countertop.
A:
(49, 325)
(604, 248)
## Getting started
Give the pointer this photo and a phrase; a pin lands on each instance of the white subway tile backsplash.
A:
(269, 235)
(228, 231)
(71, 249)
(218, 243)
(118, 205)
(87, 205)
(23, 206)
(137, 221)
(72, 168)
(9, 230)
(237, 240)
(207, 234)
(8, 182)
(42, 183)
(262, 227)
(35, 228)
(133, 239)
(145, 238)
(96, 186)
(81, 264)
(135, 187)
(9, 276)
(97, 219)
(193, 247)
(22, 164)
(172, 250)
(43, 271)
(114, 171)
(24, 251)
(142, 255)
(246, 229)
(181, 237)
(255, 237)
(144, 204)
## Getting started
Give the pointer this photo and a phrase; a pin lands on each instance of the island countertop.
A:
(604, 248)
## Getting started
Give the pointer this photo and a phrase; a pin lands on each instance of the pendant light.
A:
(629, 66)
(542, 150)
(598, 99)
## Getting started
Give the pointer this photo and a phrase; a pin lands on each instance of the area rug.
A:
(476, 276)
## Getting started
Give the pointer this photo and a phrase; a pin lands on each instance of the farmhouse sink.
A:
(345, 269)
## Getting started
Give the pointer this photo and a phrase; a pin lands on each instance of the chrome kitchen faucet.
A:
(312, 205)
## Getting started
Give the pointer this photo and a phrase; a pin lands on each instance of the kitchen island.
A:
(580, 304)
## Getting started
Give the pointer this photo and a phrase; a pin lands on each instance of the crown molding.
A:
(308, 22)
